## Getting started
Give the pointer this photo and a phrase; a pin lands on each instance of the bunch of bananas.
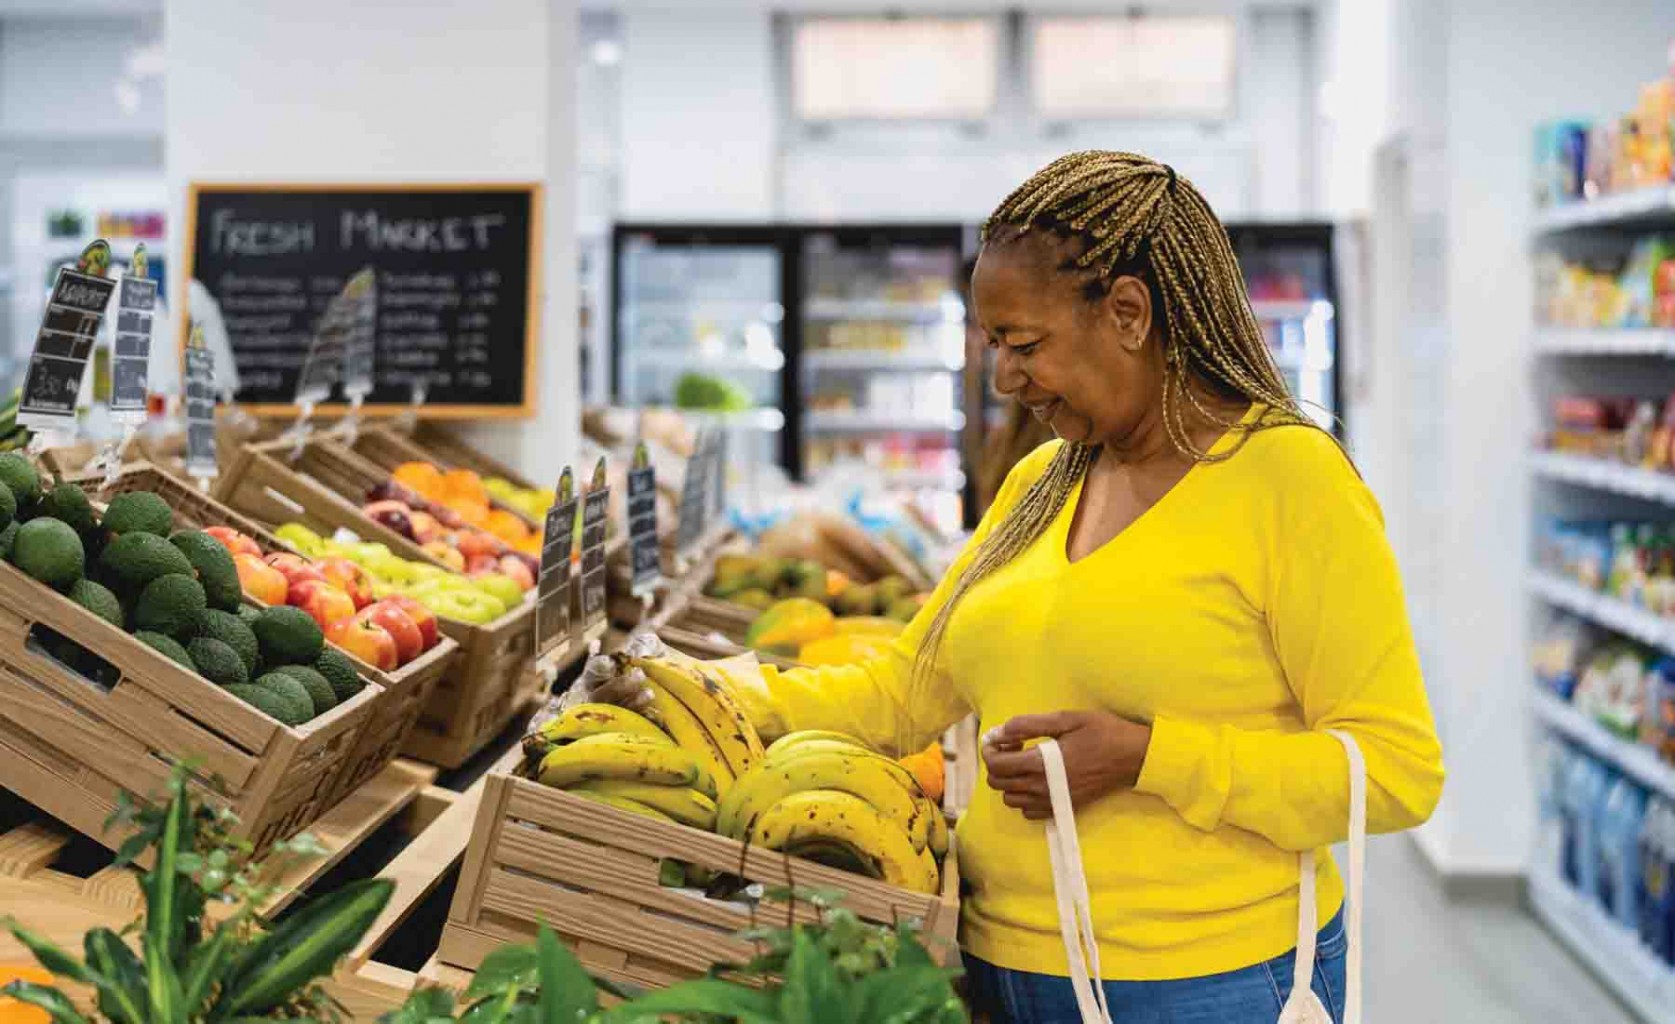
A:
(825, 796)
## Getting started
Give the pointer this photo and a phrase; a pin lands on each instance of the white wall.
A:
(58, 77)
(391, 91)
(698, 114)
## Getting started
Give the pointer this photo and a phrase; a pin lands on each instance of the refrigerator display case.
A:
(1291, 274)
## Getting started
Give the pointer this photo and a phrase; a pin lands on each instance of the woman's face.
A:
(1090, 370)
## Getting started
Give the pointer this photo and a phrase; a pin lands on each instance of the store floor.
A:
(1487, 961)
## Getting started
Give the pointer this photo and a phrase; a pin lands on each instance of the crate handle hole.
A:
(284, 500)
(48, 643)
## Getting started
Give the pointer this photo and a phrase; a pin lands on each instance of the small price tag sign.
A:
(361, 295)
(694, 498)
(642, 524)
(200, 408)
(328, 351)
(136, 302)
(594, 507)
(718, 482)
(552, 605)
(65, 341)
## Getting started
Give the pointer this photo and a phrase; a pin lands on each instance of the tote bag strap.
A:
(1070, 886)
(1307, 922)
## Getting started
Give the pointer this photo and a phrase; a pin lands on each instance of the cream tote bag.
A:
(1070, 885)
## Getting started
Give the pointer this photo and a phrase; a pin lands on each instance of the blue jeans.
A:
(1251, 995)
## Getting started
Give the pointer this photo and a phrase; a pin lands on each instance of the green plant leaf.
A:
(495, 1009)
(163, 996)
(122, 985)
(423, 1006)
(812, 993)
(205, 964)
(54, 1002)
(568, 994)
(709, 996)
(506, 967)
(902, 994)
(50, 955)
(164, 918)
(303, 947)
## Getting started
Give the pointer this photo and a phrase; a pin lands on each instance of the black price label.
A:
(200, 409)
(594, 507)
(642, 524)
(694, 498)
(362, 294)
(718, 480)
(334, 337)
(552, 607)
(136, 300)
(62, 347)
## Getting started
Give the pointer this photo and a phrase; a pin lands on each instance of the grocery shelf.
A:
(1636, 760)
(769, 421)
(1601, 609)
(1284, 309)
(1601, 341)
(874, 309)
(1609, 949)
(834, 421)
(1623, 208)
(685, 358)
(881, 359)
(1605, 475)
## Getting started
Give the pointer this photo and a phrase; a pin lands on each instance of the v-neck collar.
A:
(1073, 504)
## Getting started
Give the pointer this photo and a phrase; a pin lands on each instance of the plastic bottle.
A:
(1620, 818)
(1584, 787)
(1656, 894)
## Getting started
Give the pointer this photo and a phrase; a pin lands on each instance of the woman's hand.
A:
(1102, 752)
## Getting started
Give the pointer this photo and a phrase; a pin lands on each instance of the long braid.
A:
(1133, 215)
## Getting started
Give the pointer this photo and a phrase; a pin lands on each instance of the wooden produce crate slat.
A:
(592, 872)
(488, 684)
(406, 689)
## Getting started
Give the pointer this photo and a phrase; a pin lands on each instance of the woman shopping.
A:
(1187, 589)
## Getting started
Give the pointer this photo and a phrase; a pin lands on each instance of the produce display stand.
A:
(387, 446)
(591, 872)
(406, 689)
(492, 681)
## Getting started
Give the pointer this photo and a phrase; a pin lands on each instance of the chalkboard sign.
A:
(65, 342)
(552, 605)
(136, 300)
(594, 506)
(455, 272)
(643, 550)
(200, 408)
(694, 497)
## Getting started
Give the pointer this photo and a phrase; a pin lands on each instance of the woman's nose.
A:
(1009, 377)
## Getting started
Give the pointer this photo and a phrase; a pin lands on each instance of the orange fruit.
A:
(14, 1012)
(929, 768)
(471, 513)
(505, 525)
(464, 483)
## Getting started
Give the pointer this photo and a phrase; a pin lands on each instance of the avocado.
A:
(214, 565)
(167, 646)
(7, 537)
(170, 604)
(98, 599)
(288, 688)
(217, 662)
(288, 636)
(339, 672)
(286, 707)
(319, 690)
(8, 505)
(138, 512)
(247, 613)
(133, 560)
(230, 630)
(20, 478)
(50, 551)
(69, 503)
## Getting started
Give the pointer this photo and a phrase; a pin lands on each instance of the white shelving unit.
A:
(863, 420)
(882, 360)
(878, 309)
(1279, 309)
(1613, 951)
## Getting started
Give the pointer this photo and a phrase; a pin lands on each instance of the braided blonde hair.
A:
(1135, 216)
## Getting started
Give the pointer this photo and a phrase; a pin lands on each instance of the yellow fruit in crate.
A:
(843, 649)
(791, 623)
(869, 625)
(501, 587)
(929, 767)
(820, 814)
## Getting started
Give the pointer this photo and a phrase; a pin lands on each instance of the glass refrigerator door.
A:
(699, 328)
(882, 353)
(1290, 278)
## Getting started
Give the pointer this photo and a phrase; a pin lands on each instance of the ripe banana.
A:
(685, 805)
(933, 871)
(621, 756)
(792, 740)
(623, 804)
(842, 817)
(937, 841)
(712, 705)
(587, 720)
(691, 736)
(859, 774)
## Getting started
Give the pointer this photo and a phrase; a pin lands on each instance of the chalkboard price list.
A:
(552, 605)
(643, 549)
(200, 413)
(594, 507)
(62, 347)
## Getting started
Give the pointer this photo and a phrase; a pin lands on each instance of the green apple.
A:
(435, 585)
(302, 538)
(501, 586)
(470, 606)
(426, 571)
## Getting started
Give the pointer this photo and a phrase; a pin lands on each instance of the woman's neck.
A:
(1151, 440)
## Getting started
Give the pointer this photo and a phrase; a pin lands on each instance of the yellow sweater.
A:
(1252, 608)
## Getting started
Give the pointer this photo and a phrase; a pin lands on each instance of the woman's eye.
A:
(1026, 350)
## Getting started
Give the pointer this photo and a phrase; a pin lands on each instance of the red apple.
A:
(393, 515)
(446, 554)
(366, 640)
(261, 580)
(479, 542)
(326, 603)
(518, 569)
(475, 564)
(422, 617)
(425, 526)
(347, 577)
(409, 642)
(234, 541)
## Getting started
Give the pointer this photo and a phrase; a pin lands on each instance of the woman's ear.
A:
(1128, 305)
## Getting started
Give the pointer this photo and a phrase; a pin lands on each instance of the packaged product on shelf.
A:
(1656, 890)
(1586, 781)
(1560, 155)
(1657, 717)
(1612, 687)
(1618, 828)
(1560, 654)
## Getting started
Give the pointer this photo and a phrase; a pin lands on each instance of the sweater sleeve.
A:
(879, 700)
(1339, 626)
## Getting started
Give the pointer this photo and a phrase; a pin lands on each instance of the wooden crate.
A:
(591, 872)
(69, 743)
(387, 446)
(492, 680)
(407, 689)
